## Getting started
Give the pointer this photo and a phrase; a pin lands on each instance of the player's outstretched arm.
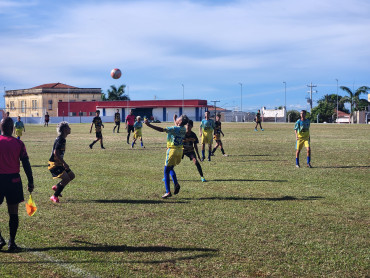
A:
(157, 128)
(91, 127)
(174, 119)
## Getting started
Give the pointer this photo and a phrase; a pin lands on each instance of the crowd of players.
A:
(181, 142)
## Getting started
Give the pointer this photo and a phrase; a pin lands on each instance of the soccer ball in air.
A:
(115, 73)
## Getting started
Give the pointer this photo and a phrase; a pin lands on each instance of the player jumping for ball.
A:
(57, 166)
(175, 137)
(217, 135)
(191, 148)
(98, 124)
(138, 126)
(302, 134)
(206, 133)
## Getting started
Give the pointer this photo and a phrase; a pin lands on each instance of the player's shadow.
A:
(284, 198)
(91, 247)
(342, 167)
(242, 180)
(126, 201)
(249, 155)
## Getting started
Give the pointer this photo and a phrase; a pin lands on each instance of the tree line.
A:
(326, 107)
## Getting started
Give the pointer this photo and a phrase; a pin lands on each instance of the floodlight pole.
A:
(285, 99)
(337, 102)
(214, 104)
(241, 97)
(183, 95)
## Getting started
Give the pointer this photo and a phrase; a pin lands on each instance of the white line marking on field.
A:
(62, 264)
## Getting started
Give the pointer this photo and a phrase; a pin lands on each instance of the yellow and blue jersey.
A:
(19, 125)
(207, 125)
(303, 128)
(175, 136)
(138, 129)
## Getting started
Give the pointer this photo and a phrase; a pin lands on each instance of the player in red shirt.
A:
(12, 151)
(130, 121)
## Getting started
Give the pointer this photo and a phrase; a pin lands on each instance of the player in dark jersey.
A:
(117, 121)
(258, 120)
(217, 135)
(57, 166)
(98, 124)
(12, 151)
(47, 119)
(190, 143)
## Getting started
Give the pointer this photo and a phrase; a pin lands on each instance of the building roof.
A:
(218, 109)
(54, 86)
(342, 114)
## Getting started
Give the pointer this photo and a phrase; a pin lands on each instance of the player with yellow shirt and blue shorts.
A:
(302, 133)
(206, 133)
(138, 126)
(175, 137)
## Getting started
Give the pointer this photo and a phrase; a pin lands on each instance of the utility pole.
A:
(214, 104)
(311, 91)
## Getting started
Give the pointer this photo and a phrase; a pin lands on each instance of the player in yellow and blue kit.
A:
(19, 127)
(206, 133)
(175, 137)
(138, 126)
(302, 133)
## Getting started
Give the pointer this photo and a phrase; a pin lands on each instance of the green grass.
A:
(257, 216)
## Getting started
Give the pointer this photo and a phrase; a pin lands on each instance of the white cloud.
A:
(157, 42)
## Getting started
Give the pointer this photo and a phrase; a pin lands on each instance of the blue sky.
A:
(208, 46)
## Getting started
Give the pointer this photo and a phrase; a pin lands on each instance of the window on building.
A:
(12, 106)
(50, 104)
(60, 100)
(34, 104)
(23, 106)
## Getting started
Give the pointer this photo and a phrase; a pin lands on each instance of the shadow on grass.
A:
(91, 247)
(219, 180)
(126, 201)
(206, 255)
(284, 198)
(342, 167)
(249, 155)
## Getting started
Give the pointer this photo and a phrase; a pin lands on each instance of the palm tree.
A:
(353, 98)
(117, 94)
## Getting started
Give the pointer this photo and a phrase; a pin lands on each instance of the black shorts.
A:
(191, 155)
(117, 123)
(57, 171)
(130, 128)
(11, 188)
(99, 135)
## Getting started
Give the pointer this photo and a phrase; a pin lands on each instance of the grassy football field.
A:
(257, 216)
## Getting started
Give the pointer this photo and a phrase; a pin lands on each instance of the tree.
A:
(353, 98)
(293, 115)
(326, 108)
(117, 93)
